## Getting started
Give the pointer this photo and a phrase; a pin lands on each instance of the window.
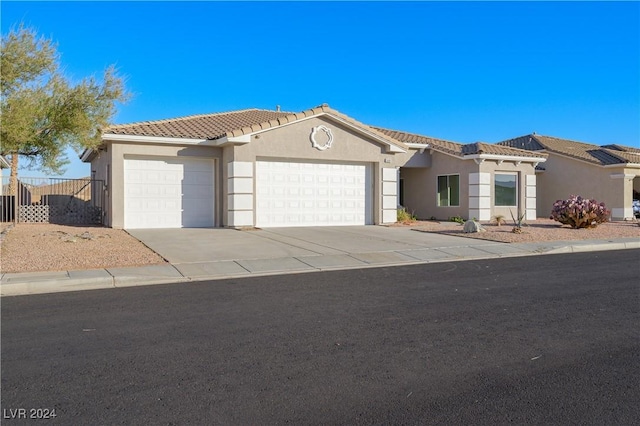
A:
(505, 186)
(448, 190)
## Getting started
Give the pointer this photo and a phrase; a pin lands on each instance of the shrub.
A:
(517, 223)
(579, 212)
(498, 219)
(457, 219)
(405, 217)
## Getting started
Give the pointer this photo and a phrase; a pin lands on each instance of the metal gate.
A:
(52, 200)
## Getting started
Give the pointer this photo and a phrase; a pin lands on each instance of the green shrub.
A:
(579, 212)
(457, 219)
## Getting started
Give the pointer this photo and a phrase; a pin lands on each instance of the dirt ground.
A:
(48, 247)
(539, 230)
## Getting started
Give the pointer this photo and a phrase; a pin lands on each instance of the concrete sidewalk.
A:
(205, 254)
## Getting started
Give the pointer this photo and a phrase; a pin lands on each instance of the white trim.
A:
(622, 176)
(156, 139)
(480, 158)
(499, 157)
(517, 187)
(624, 165)
(448, 186)
(240, 193)
(3, 163)
(237, 140)
(420, 146)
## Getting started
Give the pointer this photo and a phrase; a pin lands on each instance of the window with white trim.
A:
(505, 187)
(448, 190)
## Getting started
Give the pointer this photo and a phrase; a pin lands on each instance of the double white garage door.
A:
(179, 192)
(312, 194)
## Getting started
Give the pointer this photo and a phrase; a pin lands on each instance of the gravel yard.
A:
(540, 230)
(47, 247)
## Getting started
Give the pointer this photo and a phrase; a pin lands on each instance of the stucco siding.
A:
(420, 187)
(294, 142)
(564, 177)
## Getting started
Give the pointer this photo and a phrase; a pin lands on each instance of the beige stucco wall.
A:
(115, 154)
(293, 142)
(564, 177)
(420, 186)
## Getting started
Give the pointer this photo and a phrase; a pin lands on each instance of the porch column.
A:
(480, 196)
(389, 195)
(530, 201)
(622, 207)
(240, 194)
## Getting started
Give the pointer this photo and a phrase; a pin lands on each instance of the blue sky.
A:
(461, 71)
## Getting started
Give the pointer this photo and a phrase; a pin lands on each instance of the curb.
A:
(20, 284)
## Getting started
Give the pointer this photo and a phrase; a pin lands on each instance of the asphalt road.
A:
(538, 340)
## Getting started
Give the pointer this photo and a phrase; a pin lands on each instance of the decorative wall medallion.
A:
(327, 137)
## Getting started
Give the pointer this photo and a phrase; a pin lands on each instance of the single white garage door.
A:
(168, 193)
(312, 194)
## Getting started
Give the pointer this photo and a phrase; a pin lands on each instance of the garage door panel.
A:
(168, 193)
(312, 194)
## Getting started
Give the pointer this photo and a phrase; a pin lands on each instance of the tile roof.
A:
(204, 126)
(458, 149)
(233, 124)
(602, 155)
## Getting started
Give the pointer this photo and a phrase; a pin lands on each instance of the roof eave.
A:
(113, 137)
(498, 157)
(625, 165)
(87, 155)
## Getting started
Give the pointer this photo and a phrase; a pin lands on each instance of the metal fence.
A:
(52, 200)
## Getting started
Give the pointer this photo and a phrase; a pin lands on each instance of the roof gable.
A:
(236, 124)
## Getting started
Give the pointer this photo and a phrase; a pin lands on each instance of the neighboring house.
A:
(608, 173)
(318, 167)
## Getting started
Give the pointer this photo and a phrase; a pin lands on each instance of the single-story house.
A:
(318, 167)
(607, 173)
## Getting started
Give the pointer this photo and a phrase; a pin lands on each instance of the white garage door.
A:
(168, 193)
(312, 194)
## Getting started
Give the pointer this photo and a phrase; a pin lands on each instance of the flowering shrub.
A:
(579, 212)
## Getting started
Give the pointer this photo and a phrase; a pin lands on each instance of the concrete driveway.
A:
(220, 251)
(206, 245)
